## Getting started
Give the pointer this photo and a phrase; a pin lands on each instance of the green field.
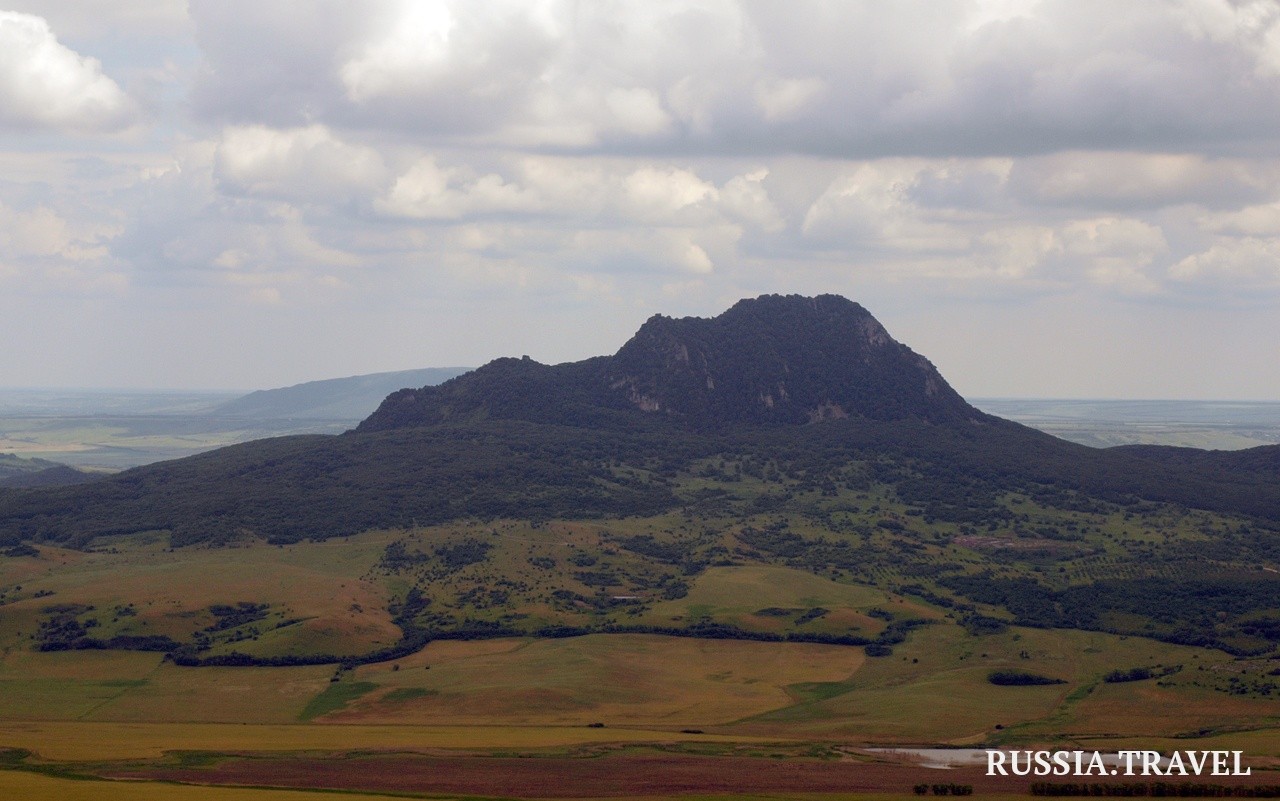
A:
(346, 596)
(611, 677)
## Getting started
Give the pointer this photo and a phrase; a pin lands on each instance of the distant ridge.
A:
(772, 360)
(60, 475)
(12, 466)
(351, 398)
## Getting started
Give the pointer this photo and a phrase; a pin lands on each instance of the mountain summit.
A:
(771, 360)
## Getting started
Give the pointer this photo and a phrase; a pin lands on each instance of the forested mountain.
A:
(816, 381)
(787, 431)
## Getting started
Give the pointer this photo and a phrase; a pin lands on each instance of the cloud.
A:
(377, 157)
(661, 251)
(1235, 265)
(90, 19)
(42, 251)
(297, 163)
(429, 191)
(849, 80)
(1252, 26)
(45, 85)
(267, 63)
(584, 192)
(455, 67)
(870, 208)
(1126, 180)
(1260, 220)
(1115, 252)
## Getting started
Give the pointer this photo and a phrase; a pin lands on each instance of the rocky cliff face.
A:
(781, 360)
(772, 360)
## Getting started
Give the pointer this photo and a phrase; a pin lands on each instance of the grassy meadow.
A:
(605, 673)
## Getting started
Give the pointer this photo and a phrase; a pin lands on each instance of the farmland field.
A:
(578, 657)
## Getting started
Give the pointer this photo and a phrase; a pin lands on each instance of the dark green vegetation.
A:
(1020, 678)
(335, 697)
(786, 432)
(1140, 674)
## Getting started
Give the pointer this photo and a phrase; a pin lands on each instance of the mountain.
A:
(769, 361)
(786, 432)
(351, 398)
(817, 381)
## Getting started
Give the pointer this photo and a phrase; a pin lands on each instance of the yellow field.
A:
(73, 741)
(33, 787)
(617, 679)
(621, 678)
(318, 582)
(934, 689)
(126, 686)
(733, 594)
(1260, 743)
(533, 693)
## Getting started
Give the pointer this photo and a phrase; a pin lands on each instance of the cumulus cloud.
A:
(86, 19)
(667, 155)
(1116, 252)
(429, 191)
(589, 193)
(1140, 180)
(837, 79)
(301, 163)
(457, 67)
(870, 208)
(41, 250)
(1259, 220)
(45, 85)
(1239, 265)
(1252, 26)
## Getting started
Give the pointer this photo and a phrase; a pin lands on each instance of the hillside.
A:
(351, 398)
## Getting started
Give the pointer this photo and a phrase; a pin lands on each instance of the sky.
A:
(1064, 198)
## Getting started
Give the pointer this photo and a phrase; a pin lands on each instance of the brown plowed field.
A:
(548, 777)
